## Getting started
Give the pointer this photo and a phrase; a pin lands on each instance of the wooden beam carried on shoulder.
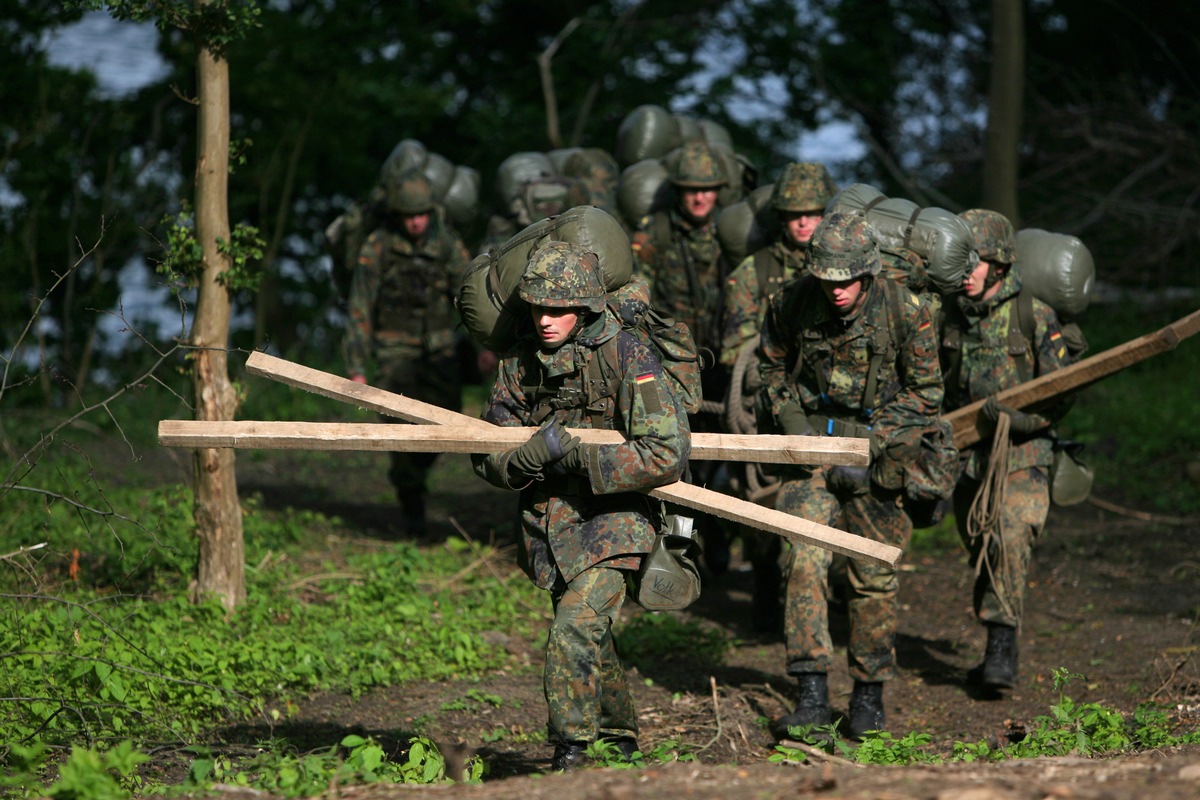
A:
(964, 420)
(766, 449)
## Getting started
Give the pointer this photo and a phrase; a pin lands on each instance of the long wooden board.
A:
(705, 446)
(695, 497)
(964, 420)
(249, 434)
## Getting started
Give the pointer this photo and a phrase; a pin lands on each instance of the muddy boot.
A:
(866, 709)
(569, 756)
(813, 707)
(999, 667)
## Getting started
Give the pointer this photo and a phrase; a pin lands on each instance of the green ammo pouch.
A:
(1070, 478)
(669, 579)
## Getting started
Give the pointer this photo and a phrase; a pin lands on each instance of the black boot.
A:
(999, 667)
(813, 707)
(568, 756)
(412, 514)
(866, 709)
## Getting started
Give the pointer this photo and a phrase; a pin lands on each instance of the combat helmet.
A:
(696, 166)
(563, 275)
(843, 248)
(994, 237)
(410, 192)
(804, 186)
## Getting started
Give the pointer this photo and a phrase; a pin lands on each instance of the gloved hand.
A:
(848, 480)
(546, 446)
(1018, 421)
(793, 420)
(575, 460)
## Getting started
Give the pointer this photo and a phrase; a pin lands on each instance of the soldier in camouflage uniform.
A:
(401, 315)
(677, 252)
(984, 351)
(846, 354)
(585, 522)
(799, 198)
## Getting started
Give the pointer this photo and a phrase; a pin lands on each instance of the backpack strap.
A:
(769, 272)
(1020, 335)
(884, 344)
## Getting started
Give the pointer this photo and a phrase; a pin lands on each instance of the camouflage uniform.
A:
(802, 187)
(829, 389)
(401, 315)
(596, 175)
(983, 365)
(681, 261)
(583, 531)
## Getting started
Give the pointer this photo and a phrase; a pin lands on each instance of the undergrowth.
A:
(1069, 729)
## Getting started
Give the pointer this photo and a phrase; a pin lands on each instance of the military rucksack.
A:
(541, 197)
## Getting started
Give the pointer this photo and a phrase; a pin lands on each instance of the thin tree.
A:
(218, 516)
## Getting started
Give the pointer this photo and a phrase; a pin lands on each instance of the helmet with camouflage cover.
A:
(410, 192)
(563, 275)
(843, 248)
(696, 166)
(994, 237)
(804, 186)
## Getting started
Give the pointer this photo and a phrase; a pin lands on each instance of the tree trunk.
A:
(221, 569)
(1005, 92)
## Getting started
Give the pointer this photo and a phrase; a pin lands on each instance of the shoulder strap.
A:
(1021, 332)
(764, 271)
(883, 347)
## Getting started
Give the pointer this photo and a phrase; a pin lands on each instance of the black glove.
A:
(793, 420)
(1018, 421)
(848, 480)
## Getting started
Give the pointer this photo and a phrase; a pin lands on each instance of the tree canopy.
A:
(323, 90)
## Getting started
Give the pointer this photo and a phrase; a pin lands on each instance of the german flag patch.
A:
(648, 390)
(1054, 337)
(645, 377)
(924, 325)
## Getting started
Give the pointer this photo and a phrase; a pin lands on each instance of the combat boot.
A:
(412, 514)
(999, 667)
(568, 756)
(813, 706)
(866, 709)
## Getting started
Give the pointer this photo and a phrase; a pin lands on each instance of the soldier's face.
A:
(975, 284)
(415, 225)
(799, 225)
(844, 296)
(698, 203)
(553, 325)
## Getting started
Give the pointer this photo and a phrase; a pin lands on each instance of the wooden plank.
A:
(965, 420)
(782, 524)
(360, 394)
(705, 446)
(684, 494)
(248, 434)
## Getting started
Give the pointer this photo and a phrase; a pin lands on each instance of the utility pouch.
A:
(669, 579)
(1070, 478)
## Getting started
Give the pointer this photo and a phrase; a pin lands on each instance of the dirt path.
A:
(1111, 598)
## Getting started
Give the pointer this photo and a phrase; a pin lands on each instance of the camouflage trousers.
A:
(872, 588)
(583, 680)
(1000, 580)
(434, 378)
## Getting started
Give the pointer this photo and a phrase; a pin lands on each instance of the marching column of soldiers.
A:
(834, 347)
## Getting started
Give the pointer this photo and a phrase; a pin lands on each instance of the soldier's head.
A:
(564, 289)
(410, 197)
(844, 256)
(800, 197)
(996, 244)
(697, 174)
